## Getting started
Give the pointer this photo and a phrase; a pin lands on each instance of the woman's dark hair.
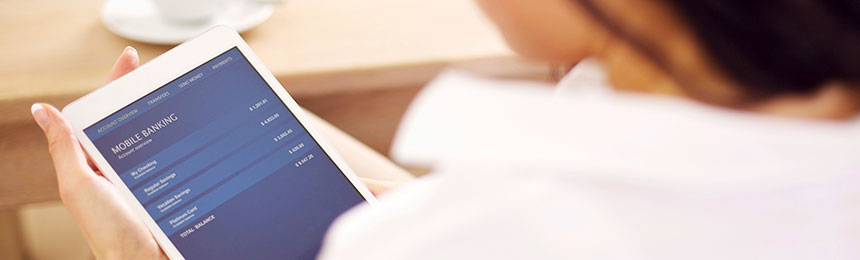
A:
(772, 47)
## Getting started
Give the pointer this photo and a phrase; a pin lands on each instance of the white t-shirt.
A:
(527, 172)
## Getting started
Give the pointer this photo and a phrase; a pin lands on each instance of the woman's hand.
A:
(111, 228)
(108, 223)
(378, 187)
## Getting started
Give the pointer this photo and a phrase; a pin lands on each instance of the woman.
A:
(753, 156)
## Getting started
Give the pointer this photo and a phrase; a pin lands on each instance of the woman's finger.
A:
(126, 62)
(378, 187)
(69, 160)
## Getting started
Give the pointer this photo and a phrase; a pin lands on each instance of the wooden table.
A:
(355, 63)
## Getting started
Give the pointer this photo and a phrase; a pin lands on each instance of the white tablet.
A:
(215, 156)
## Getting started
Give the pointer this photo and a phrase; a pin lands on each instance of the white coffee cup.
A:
(189, 11)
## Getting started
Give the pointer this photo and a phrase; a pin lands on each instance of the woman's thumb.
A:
(41, 116)
(62, 144)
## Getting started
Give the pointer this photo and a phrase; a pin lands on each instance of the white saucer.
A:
(139, 20)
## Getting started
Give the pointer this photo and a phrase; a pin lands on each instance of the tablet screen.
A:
(223, 167)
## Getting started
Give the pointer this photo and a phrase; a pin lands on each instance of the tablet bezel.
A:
(174, 63)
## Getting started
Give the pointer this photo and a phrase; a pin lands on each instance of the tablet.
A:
(214, 155)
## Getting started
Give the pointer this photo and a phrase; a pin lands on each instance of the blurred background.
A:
(355, 63)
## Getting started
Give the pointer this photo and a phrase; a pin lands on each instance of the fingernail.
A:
(130, 50)
(40, 115)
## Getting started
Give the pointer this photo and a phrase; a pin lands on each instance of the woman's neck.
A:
(831, 102)
(628, 71)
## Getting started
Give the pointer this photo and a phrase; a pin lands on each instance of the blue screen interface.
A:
(223, 167)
